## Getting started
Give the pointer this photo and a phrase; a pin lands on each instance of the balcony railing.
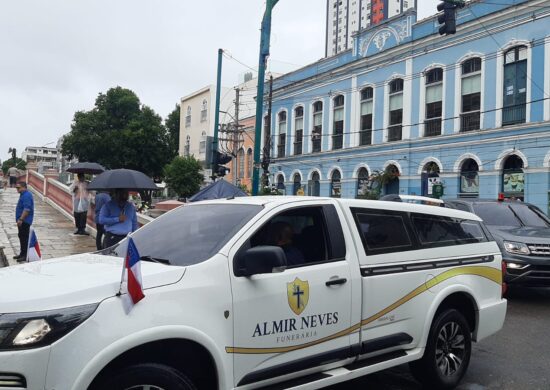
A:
(395, 133)
(513, 115)
(470, 121)
(432, 127)
(365, 137)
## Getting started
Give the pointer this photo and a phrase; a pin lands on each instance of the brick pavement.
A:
(54, 231)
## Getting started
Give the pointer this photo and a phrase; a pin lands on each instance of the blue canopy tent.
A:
(218, 190)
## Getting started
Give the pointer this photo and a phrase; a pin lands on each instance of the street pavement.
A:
(54, 231)
(516, 358)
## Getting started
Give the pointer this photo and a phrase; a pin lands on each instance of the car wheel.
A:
(447, 353)
(148, 376)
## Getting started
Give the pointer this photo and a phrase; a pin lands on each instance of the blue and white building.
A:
(474, 106)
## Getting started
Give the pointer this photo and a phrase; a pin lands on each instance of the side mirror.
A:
(260, 260)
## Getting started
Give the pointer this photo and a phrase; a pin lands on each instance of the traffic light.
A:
(218, 168)
(447, 20)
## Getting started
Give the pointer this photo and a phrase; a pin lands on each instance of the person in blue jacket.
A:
(119, 217)
(101, 198)
(24, 214)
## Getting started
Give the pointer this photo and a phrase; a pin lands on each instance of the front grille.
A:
(539, 249)
(15, 381)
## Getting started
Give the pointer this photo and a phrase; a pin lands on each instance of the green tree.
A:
(172, 124)
(119, 132)
(183, 175)
(19, 164)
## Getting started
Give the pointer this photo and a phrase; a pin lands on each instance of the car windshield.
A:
(497, 214)
(530, 216)
(190, 234)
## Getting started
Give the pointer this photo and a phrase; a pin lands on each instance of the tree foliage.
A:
(19, 164)
(119, 132)
(172, 124)
(183, 175)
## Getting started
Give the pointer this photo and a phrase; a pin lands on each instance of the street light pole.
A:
(264, 54)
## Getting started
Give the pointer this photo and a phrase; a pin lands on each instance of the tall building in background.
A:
(346, 17)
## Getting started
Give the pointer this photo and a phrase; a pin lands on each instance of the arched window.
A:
(188, 117)
(515, 86)
(513, 178)
(317, 130)
(392, 186)
(434, 102)
(336, 184)
(395, 130)
(204, 110)
(298, 130)
(202, 145)
(470, 117)
(281, 184)
(362, 182)
(240, 161)
(315, 185)
(297, 180)
(281, 146)
(469, 179)
(367, 105)
(338, 123)
(250, 158)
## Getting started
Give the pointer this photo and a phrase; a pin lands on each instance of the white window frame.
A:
(357, 135)
(312, 123)
(331, 120)
(458, 90)
(387, 106)
(293, 128)
(422, 108)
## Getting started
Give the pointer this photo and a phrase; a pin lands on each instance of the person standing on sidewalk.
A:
(100, 199)
(119, 217)
(24, 214)
(81, 203)
(12, 173)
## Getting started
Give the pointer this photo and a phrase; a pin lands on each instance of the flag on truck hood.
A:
(131, 277)
(33, 249)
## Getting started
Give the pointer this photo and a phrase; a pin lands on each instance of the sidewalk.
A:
(53, 230)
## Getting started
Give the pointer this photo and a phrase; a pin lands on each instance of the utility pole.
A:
(267, 137)
(264, 54)
(236, 136)
(214, 157)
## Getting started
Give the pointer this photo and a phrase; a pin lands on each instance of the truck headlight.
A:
(516, 248)
(38, 329)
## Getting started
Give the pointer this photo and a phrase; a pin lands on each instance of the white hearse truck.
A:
(278, 293)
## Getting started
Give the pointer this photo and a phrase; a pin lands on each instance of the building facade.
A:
(346, 17)
(197, 120)
(472, 109)
(43, 157)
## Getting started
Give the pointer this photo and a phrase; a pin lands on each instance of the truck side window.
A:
(383, 231)
(437, 231)
(302, 233)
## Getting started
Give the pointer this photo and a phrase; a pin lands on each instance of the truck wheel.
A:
(148, 376)
(447, 353)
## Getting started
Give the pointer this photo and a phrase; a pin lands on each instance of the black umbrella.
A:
(86, 167)
(126, 179)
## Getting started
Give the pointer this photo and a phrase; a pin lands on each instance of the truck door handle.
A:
(336, 282)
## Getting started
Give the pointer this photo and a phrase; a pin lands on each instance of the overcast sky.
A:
(57, 55)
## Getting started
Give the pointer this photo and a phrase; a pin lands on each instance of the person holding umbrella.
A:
(81, 196)
(81, 203)
(119, 218)
(101, 198)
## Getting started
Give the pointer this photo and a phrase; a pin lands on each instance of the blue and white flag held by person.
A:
(132, 284)
(33, 250)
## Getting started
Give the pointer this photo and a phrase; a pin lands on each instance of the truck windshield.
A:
(530, 216)
(190, 234)
(497, 214)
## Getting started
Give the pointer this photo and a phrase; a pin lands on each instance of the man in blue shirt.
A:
(24, 213)
(119, 218)
(100, 199)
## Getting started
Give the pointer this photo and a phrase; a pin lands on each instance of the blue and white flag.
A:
(33, 250)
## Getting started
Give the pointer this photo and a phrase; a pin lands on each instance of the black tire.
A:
(447, 353)
(159, 376)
